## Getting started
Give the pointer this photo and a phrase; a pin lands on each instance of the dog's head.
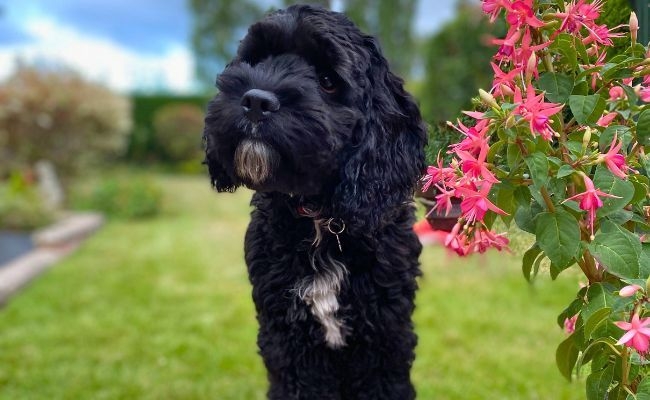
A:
(309, 106)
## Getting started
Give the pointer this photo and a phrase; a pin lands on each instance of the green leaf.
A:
(598, 383)
(621, 131)
(513, 155)
(643, 128)
(538, 166)
(566, 356)
(608, 183)
(618, 250)
(595, 320)
(641, 184)
(598, 296)
(529, 261)
(524, 219)
(587, 109)
(643, 390)
(564, 171)
(557, 87)
(632, 97)
(581, 88)
(558, 235)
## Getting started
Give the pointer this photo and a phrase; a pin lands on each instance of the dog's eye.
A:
(328, 83)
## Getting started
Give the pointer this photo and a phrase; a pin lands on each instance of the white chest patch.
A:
(320, 292)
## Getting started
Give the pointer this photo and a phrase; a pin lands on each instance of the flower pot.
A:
(438, 220)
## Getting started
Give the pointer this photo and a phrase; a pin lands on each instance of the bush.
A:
(143, 145)
(54, 114)
(178, 130)
(21, 206)
(134, 198)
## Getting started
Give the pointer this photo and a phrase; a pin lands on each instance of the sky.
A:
(128, 45)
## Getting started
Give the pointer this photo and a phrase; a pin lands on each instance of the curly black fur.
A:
(345, 143)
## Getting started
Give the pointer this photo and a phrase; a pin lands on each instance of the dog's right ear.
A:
(219, 176)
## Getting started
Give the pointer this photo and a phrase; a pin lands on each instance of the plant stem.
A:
(547, 199)
(588, 266)
(625, 366)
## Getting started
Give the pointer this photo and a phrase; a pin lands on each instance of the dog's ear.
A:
(383, 163)
(219, 177)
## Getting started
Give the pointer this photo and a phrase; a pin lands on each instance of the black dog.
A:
(309, 115)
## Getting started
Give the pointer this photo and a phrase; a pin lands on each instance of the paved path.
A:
(52, 244)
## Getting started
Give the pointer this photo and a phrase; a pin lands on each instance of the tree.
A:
(456, 64)
(217, 28)
(220, 24)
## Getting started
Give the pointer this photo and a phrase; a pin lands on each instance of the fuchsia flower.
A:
(601, 34)
(614, 160)
(606, 119)
(438, 173)
(475, 136)
(521, 13)
(503, 80)
(536, 112)
(589, 201)
(493, 7)
(579, 14)
(570, 324)
(507, 45)
(637, 335)
(475, 202)
(476, 167)
(616, 93)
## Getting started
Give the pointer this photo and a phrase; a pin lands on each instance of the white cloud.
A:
(101, 59)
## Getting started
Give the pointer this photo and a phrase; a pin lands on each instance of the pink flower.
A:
(614, 160)
(507, 45)
(629, 290)
(579, 14)
(437, 174)
(475, 136)
(637, 335)
(493, 7)
(606, 119)
(521, 13)
(536, 112)
(476, 167)
(589, 201)
(485, 239)
(616, 93)
(644, 94)
(601, 34)
(475, 202)
(524, 51)
(503, 80)
(570, 324)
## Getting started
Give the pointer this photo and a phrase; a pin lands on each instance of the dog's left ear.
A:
(386, 157)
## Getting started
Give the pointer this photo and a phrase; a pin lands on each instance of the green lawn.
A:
(161, 309)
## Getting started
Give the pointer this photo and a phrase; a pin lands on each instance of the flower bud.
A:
(531, 65)
(506, 90)
(488, 99)
(586, 138)
(634, 26)
(629, 290)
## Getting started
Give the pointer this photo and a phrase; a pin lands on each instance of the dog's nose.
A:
(259, 104)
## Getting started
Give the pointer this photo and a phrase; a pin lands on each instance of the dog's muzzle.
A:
(255, 161)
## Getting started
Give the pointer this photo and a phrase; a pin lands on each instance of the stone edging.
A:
(52, 243)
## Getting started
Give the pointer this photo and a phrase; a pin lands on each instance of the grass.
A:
(161, 309)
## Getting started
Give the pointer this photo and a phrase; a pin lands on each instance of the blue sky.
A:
(126, 44)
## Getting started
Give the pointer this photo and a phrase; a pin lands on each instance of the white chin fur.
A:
(253, 161)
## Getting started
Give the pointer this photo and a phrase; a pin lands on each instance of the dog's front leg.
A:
(298, 369)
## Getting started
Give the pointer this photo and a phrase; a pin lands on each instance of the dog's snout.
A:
(259, 104)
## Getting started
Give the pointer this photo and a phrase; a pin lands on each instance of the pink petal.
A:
(626, 338)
